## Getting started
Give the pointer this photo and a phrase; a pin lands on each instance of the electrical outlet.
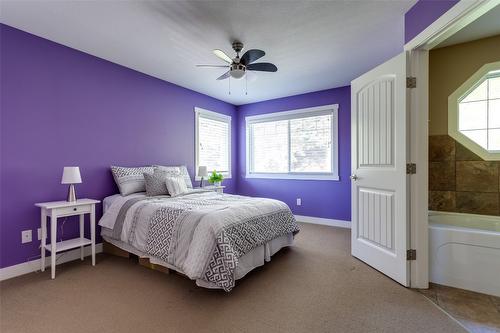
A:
(26, 236)
(299, 202)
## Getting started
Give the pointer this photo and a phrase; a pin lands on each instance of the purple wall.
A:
(62, 107)
(320, 198)
(422, 14)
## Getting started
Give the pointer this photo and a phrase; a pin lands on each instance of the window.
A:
(213, 141)
(474, 113)
(298, 144)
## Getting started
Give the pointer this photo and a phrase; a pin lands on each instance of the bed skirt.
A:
(253, 259)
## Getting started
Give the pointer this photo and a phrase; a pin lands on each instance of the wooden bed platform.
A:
(116, 251)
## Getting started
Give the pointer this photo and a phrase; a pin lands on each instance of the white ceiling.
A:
(315, 44)
(486, 25)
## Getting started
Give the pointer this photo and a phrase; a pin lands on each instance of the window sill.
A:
(197, 179)
(292, 176)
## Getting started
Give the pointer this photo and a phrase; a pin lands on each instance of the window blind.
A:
(270, 146)
(293, 143)
(213, 144)
(310, 144)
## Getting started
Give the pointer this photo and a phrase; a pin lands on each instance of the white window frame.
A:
(214, 116)
(331, 109)
(453, 112)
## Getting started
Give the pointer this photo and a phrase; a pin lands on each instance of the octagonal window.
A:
(474, 113)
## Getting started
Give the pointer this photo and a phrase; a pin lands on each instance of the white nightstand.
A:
(56, 209)
(218, 189)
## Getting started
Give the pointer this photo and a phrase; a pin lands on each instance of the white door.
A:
(379, 180)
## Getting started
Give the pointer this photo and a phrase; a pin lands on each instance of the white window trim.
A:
(284, 115)
(454, 99)
(214, 116)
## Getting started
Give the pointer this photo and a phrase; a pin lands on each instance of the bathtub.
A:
(464, 251)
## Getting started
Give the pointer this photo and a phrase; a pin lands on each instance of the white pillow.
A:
(182, 169)
(176, 185)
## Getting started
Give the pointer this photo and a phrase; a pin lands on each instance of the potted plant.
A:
(215, 178)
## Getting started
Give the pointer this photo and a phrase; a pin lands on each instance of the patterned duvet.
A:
(202, 233)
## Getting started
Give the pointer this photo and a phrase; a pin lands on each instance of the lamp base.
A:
(71, 193)
(201, 182)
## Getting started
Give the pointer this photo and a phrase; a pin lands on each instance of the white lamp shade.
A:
(202, 171)
(71, 175)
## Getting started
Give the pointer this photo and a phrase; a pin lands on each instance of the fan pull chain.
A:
(229, 85)
(246, 84)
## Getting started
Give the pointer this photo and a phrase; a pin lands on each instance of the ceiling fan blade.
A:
(224, 76)
(213, 66)
(263, 67)
(223, 56)
(252, 55)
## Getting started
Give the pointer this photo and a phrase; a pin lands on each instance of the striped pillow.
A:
(176, 185)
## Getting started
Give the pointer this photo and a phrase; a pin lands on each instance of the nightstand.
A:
(218, 189)
(56, 209)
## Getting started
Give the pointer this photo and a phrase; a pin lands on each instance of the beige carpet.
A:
(316, 286)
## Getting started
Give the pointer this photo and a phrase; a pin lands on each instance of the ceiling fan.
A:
(239, 66)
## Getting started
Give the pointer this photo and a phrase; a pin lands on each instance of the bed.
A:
(212, 238)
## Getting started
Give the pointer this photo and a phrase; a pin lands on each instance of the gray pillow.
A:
(183, 170)
(155, 183)
(130, 180)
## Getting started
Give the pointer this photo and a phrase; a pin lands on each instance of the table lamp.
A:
(71, 176)
(202, 172)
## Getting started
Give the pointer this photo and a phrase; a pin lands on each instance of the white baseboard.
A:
(323, 221)
(34, 265)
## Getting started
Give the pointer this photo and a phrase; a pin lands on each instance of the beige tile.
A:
(478, 327)
(464, 154)
(496, 301)
(430, 293)
(442, 201)
(477, 176)
(475, 311)
(442, 176)
(477, 203)
(441, 148)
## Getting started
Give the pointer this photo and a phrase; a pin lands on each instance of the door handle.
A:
(354, 177)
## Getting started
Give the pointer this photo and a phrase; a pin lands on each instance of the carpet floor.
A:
(314, 286)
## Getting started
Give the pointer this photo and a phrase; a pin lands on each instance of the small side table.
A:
(56, 209)
(218, 189)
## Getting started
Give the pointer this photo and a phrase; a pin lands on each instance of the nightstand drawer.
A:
(76, 210)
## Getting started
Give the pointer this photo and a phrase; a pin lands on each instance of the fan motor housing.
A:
(237, 46)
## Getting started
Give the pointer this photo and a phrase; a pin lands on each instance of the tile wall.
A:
(459, 180)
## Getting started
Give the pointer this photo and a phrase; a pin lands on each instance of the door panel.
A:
(376, 217)
(376, 129)
(379, 180)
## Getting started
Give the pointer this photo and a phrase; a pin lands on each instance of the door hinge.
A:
(411, 254)
(411, 168)
(411, 82)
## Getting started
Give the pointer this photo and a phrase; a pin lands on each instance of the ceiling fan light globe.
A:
(237, 73)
